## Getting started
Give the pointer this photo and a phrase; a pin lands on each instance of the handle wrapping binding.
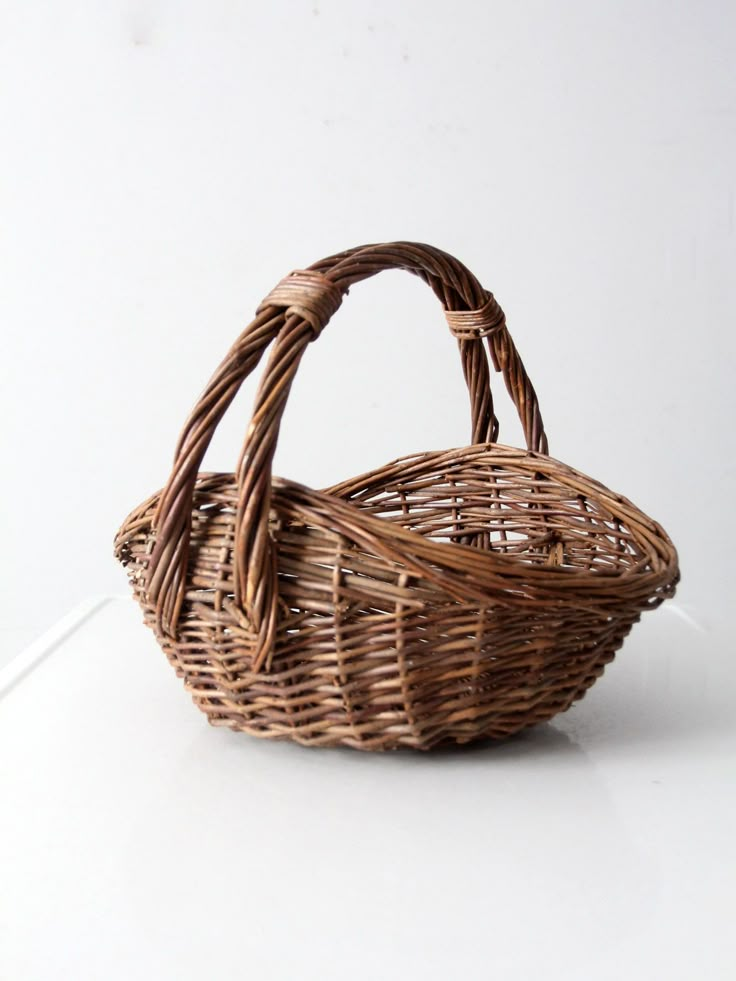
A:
(469, 325)
(306, 293)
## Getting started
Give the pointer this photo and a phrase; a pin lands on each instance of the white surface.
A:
(165, 163)
(138, 842)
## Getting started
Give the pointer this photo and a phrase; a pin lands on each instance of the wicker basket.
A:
(447, 596)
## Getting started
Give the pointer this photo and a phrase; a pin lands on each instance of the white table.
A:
(136, 842)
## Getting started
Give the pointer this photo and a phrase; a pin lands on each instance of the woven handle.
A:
(292, 315)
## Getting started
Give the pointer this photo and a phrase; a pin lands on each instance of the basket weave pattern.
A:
(447, 596)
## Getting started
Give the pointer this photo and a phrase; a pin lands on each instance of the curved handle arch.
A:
(291, 316)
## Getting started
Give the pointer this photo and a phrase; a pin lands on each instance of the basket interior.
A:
(539, 513)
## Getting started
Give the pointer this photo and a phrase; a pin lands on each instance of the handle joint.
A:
(471, 325)
(306, 293)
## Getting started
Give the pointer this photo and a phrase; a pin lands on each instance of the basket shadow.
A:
(671, 685)
(540, 740)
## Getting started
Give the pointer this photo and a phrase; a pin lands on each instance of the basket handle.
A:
(294, 314)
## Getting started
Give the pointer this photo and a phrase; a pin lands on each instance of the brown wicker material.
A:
(447, 596)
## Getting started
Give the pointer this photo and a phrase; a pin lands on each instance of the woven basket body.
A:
(447, 596)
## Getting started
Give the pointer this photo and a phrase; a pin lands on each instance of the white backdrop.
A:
(164, 163)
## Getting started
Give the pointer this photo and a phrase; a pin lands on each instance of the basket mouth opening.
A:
(483, 524)
(525, 506)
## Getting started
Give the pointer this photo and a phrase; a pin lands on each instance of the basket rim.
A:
(493, 569)
(464, 572)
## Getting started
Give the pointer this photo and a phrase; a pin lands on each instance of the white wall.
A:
(164, 163)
